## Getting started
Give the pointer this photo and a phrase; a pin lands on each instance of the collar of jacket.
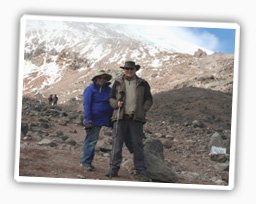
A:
(122, 78)
(105, 85)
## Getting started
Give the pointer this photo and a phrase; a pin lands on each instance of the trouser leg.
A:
(136, 134)
(90, 141)
(128, 143)
(117, 144)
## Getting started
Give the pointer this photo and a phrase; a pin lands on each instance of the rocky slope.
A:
(213, 72)
(187, 122)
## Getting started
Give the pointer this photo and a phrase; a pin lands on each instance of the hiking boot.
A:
(142, 176)
(87, 167)
(111, 173)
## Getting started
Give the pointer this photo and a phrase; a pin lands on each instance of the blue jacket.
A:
(96, 105)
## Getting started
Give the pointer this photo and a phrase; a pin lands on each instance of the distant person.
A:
(97, 113)
(50, 99)
(130, 98)
(55, 99)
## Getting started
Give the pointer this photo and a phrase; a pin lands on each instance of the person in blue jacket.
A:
(97, 113)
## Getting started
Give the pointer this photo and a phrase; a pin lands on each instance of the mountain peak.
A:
(61, 53)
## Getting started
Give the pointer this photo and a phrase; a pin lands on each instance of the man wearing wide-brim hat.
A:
(130, 98)
(97, 113)
(130, 64)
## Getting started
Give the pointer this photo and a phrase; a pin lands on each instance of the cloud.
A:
(179, 38)
(201, 37)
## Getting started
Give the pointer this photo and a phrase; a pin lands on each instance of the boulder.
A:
(158, 169)
(24, 129)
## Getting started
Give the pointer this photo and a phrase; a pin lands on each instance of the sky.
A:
(216, 39)
(212, 39)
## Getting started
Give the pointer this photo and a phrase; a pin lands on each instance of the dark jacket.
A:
(144, 99)
(96, 105)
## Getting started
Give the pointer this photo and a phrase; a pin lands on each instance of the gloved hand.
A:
(89, 125)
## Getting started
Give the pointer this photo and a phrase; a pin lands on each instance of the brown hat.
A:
(130, 64)
(102, 73)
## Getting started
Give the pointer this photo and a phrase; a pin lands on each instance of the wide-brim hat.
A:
(130, 64)
(102, 73)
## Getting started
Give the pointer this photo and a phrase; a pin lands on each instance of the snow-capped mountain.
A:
(63, 56)
(51, 48)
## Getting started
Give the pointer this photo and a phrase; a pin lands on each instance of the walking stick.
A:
(115, 135)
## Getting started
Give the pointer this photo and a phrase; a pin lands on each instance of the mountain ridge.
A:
(63, 58)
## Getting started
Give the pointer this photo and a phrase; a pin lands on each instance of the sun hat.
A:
(103, 74)
(130, 64)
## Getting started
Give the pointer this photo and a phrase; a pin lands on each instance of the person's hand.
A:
(120, 104)
(89, 125)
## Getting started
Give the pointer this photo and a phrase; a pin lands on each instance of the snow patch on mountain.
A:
(114, 58)
(49, 71)
(156, 63)
(53, 47)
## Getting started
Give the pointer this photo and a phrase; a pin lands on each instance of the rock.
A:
(106, 154)
(219, 157)
(225, 176)
(190, 177)
(167, 143)
(104, 145)
(197, 123)
(59, 133)
(73, 115)
(24, 129)
(218, 150)
(222, 166)
(44, 124)
(200, 53)
(105, 132)
(64, 137)
(34, 127)
(71, 141)
(158, 169)
(44, 119)
(216, 140)
(128, 164)
(218, 181)
(36, 136)
(80, 176)
(63, 121)
(47, 142)
(154, 146)
(157, 134)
